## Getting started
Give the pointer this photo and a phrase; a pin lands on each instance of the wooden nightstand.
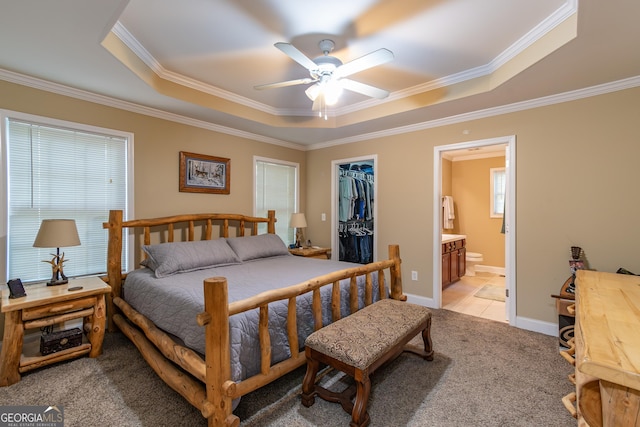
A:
(47, 306)
(322, 253)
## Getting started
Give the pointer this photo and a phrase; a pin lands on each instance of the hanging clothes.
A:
(355, 215)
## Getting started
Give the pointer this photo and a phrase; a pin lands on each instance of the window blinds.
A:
(59, 173)
(276, 189)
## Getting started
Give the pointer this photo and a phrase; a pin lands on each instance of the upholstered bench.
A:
(360, 343)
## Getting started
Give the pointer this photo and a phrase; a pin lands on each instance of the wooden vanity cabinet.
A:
(454, 264)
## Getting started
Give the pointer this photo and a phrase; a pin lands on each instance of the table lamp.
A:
(298, 221)
(57, 233)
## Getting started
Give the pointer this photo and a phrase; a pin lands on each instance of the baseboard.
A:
(423, 301)
(546, 328)
(533, 325)
(490, 269)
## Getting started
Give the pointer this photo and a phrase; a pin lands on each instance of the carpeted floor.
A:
(484, 373)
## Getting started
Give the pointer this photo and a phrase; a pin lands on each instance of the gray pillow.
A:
(166, 259)
(260, 246)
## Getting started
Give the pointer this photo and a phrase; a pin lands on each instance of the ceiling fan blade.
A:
(296, 55)
(363, 89)
(373, 59)
(284, 84)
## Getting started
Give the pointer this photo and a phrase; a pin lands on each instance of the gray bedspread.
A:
(172, 303)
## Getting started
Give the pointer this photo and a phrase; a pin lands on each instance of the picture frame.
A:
(200, 173)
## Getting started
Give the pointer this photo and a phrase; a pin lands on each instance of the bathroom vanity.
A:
(453, 258)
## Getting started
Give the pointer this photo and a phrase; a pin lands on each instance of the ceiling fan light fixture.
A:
(332, 91)
(313, 91)
(329, 74)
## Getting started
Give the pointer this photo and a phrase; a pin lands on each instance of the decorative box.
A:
(60, 340)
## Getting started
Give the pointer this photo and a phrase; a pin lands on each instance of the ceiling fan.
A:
(328, 73)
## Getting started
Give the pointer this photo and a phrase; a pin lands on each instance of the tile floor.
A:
(459, 297)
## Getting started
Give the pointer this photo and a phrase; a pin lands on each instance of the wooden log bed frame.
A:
(207, 384)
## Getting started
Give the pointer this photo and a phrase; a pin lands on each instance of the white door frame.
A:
(510, 218)
(335, 182)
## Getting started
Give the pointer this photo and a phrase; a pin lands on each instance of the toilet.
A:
(472, 259)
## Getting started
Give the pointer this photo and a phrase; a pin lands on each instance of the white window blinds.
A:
(277, 189)
(61, 173)
(498, 190)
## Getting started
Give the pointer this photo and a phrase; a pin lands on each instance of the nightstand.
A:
(322, 253)
(46, 306)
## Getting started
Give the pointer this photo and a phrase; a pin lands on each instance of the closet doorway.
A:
(353, 219)
(509, 217)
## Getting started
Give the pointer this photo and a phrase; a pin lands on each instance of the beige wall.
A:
(577, 173)
(157, 143)
(470, 181)
(156, 146)
(576, 177)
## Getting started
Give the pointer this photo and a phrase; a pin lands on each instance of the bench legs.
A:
(362, 387)
(360, 390)
(359, 414)
(427, 354)
(308, 384)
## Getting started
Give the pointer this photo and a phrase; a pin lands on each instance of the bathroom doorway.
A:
(491, 147)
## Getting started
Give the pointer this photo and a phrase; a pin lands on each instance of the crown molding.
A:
(59, 89)
(83, 95)
(602, 89)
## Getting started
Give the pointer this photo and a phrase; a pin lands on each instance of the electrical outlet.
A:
(414, 275)
(323, 216)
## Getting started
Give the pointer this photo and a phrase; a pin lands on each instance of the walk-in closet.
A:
(356, 194)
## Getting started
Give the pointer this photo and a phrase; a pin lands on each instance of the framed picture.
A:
(204, 174)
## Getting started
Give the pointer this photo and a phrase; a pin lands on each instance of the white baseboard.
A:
(490, 269)
(533, 325)
(423, 301)
(546, 328)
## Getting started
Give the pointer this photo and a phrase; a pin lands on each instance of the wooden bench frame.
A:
(362, 387)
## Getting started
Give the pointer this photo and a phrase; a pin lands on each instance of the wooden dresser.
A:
(607, 353)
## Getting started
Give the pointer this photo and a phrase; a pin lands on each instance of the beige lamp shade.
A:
(57, 233)
(298, 221)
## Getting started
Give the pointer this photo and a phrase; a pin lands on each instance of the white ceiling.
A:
(199, 60)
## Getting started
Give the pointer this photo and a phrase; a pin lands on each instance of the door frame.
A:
(335, 191)
(510, 218)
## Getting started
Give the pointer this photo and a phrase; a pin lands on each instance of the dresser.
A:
(607, 349)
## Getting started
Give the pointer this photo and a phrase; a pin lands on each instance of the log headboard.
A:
(166, 229)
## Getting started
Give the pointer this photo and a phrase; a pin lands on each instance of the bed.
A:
(219, 310)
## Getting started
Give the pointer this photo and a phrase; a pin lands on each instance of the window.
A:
(61, 170)
(276, 188)
(498, 189)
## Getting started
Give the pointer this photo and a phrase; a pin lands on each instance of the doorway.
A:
(508, 143)
(354, 213)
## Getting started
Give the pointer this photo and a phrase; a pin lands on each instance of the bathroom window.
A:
(498, 189)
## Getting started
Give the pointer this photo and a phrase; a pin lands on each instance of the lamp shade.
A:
(298, 221)
(57, 233)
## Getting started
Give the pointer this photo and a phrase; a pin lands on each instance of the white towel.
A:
(448, 214)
